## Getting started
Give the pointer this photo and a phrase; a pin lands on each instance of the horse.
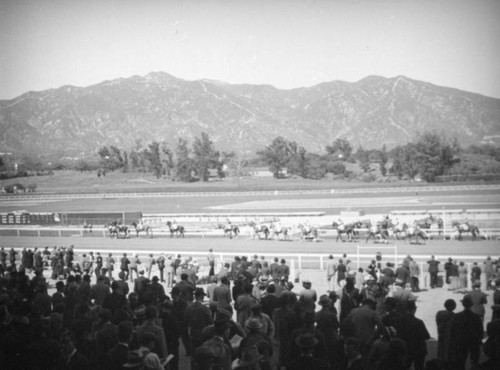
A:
(260, 229)
(380, 231)
(348, 229)
(177, 231)
(87, 227)
(115, 229)
(415, 232)
(308, 232)
(231, 231)
(425, 223)
(277, 230)
(399, 229)
(467, 228)
(139, 227)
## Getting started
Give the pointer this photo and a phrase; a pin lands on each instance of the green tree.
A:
(205, 156)
(167, 159)
(152, 153)
(435, 155)
(316, 166)
(277, 156)
(364, 159)
(183, 163)
(341, 148)
(383, 159)
(297, 162)
(405, 161)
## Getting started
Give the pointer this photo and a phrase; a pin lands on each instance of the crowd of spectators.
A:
(59, 310)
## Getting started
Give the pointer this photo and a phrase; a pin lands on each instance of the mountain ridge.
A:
(241, 117)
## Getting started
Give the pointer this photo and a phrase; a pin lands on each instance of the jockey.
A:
(307, 227)
(340, 224)
(174, 225)
(465, 225)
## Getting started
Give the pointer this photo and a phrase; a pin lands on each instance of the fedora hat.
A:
(134, 359)
(253, 324)
(249, 357)
(306, 340)
(324, 300)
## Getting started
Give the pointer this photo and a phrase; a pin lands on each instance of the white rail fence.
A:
(24, 231)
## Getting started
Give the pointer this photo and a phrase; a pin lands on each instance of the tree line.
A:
(430, 157)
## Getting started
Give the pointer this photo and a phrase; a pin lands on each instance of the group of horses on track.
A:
(380, 231)
(117, 230)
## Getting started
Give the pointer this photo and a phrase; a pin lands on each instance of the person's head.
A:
(307, 342)
(306, 284)
(151, 313)
(148, 339)
(256, 309)
(411, 306)
(271, 289)
(333, 296)
(224, 280)
(184, 277)
(253, 325)
(124, 331)
(370, 303)
(248, 289)
(176, 292)
(390, 303)
(450, 305)
(67, 341)
(199, 294)
(220, 327)
(352, 347)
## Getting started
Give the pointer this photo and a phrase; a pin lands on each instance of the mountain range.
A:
(77, 121)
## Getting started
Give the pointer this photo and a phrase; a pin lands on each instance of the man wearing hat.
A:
(466, 334)
(308, 296)
(254, 335)
(308, 326)
(307, 343)
(198, 317)
(222, 293)
(283, 270)
(219, 345)
(211, 262)
(151, 328)
(330, 273)
(328, 323)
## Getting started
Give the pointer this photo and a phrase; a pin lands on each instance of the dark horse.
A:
(467, 228)
(260, 229)
(177, 230)
(231, 231)
(139, 227)
(87, 226)
(348, 229)
(115, 229)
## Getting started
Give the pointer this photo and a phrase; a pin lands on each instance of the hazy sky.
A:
(289, 43)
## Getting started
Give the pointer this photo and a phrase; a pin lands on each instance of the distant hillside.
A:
(374, 111)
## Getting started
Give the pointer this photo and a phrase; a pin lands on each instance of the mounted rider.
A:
(340, 225)
(175, 227)
(307, 227)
